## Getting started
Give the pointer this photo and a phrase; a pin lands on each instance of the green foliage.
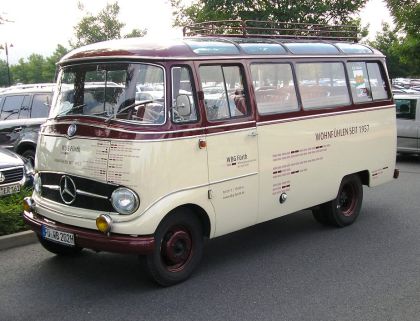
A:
(401, 45)
(306, 11)
(36, 68)
(4, 80)
(102, 27)
(11, 212)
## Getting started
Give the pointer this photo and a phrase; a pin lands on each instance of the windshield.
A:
(129, 92)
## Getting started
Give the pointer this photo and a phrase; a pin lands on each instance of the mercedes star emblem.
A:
(68, 190)
(2, 177)
(71, 130)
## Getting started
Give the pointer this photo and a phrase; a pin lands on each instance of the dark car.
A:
(15, 172)
(22, 111)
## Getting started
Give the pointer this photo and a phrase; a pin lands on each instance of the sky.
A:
(39, 26)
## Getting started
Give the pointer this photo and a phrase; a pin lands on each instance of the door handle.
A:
(17, 129)
(253, 134)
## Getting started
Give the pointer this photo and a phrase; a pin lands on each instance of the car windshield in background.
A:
(129, 92)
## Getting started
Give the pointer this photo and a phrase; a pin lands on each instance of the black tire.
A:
(29, 154)
(345, 208)
(178, 248)
(59, 249)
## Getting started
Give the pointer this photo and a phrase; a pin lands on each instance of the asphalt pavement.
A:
(287, 269)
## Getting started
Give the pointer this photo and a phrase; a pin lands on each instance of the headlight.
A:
(37, 184)
(125, 201)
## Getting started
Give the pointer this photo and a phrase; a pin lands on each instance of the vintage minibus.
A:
(151, 147)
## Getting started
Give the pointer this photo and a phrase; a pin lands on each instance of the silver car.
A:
(408, 123)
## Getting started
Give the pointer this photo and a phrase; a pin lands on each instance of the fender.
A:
(147, 223)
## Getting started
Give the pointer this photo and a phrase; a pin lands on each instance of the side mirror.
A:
(183, 106)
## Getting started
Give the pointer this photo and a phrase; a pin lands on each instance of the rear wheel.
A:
(345, 208)
(178, 249)
(59, 249)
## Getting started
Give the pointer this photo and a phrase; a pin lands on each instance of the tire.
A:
(345, 208)
(59, 249)
(29, 154)
(178, 248)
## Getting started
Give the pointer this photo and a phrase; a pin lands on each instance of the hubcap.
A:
(176, 249)
(347, 200)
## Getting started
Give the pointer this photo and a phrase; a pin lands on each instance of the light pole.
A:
(7, 59)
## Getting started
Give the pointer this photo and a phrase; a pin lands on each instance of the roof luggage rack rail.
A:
(273, 29)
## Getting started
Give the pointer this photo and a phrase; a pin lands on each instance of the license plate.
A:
(57, 236)
(10, 189)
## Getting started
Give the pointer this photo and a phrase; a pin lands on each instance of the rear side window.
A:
(322, 85)
(25, 108)
(274, 88)
(11, 107)
(366, 82)
(224, 94)
(40, 106)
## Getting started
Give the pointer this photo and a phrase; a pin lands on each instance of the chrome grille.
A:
(12, 175)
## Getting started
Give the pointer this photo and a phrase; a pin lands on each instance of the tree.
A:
(306, 11)
(49, 71)
(401, 45)
(4, 80)
(388, 42)
(102, 27)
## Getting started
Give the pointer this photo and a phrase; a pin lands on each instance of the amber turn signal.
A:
(104, 223)
(28, 204)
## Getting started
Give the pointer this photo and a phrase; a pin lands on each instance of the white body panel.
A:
(237, 179)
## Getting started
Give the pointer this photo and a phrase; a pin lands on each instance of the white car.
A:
(408, 123)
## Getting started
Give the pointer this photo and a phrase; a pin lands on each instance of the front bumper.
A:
(94, 240)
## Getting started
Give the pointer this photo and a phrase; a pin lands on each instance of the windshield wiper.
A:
(70, 110)
(143, 102)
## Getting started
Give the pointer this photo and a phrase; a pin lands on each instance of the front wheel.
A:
(345, 208)
(178, 249)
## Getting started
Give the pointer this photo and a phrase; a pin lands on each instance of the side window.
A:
(183, 96)
(322, 85)
(274, 88)
(366, 82)
(25, 108)
(11, 107)
(224, 94)
(405, 108)
(377, 83)
(359, 82)
(40, 106)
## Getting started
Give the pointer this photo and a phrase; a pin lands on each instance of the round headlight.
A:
(37, 183)
(125, 201)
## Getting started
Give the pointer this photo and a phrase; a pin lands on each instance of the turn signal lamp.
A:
(28, 204)
(104, 223)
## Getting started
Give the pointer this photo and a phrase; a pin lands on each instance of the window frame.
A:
(294, 78)
(194, 95)
(244, 78)
(343, 63)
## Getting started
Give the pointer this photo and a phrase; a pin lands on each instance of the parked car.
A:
(408, 123)
(22, 110)
(15, 172)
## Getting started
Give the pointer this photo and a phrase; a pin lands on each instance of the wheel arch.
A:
(199, 212)
(23, 146)
(364, 177)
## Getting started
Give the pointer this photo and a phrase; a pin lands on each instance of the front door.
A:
(232, 147)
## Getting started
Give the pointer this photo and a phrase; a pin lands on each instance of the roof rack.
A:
(272, 29)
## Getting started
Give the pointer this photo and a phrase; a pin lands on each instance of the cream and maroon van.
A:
(152, 147)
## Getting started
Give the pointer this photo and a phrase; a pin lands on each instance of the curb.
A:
(17, 239)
